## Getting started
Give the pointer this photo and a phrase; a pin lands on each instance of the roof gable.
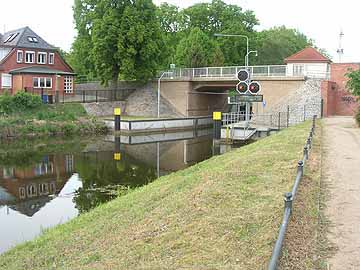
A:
(24, 38)
(307, 55)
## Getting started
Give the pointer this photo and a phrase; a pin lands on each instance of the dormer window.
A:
(29, 57)
(51, 58)
(41, 59)
(19, 56)
(11, 37)
(33, 39)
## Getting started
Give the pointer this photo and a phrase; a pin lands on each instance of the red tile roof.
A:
(307, 55)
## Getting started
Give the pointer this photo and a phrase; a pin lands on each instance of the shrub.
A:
(19, 102)
(23, 100)
(69, 129)
(357, 117)
(6, 104)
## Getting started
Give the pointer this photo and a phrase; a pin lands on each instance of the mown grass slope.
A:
(223, 213)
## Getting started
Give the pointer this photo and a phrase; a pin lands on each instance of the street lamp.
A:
(247, 44)
(158, 101)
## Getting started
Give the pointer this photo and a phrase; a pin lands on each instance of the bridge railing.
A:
(231, 71)
(225, 72)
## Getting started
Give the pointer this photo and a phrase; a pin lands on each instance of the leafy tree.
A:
(198, 50)
(354, 82)
(117, 39)
(277, 43)
(140, 42)
(354, 85)
(172, 28)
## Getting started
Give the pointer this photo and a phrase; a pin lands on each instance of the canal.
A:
(46, 183)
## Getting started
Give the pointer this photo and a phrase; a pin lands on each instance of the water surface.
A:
(46, 183)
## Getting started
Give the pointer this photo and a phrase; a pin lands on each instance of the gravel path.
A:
(342, 173)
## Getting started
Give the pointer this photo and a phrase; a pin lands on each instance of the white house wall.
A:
(314, 70)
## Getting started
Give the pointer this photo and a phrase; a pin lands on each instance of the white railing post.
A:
(207, 72)
(221, 72)
(268, 71)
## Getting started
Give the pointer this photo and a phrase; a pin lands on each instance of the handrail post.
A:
(306, 152)
(288, 199)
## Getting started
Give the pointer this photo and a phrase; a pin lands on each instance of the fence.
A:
(227, 72)
(82, 96)
(231, 71)
(277, 120)
(289, 198)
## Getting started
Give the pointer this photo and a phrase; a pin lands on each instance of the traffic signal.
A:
(243, 75)
(242, 87)
(254, 88)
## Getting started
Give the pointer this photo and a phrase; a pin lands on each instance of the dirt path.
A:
(342, 173)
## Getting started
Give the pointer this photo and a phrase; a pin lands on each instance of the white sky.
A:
(320, 20)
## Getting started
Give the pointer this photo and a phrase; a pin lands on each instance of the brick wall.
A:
(344, 103)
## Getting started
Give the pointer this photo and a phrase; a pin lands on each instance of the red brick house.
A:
(28, 62)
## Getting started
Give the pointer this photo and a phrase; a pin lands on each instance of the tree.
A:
(197, 50)
(354, 82)
(277, 43)
(117, 39)
(140, 42)
(354, 85)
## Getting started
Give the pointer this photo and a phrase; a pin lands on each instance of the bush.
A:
(23, 100)
(6, 103)
(357, 117)
(19, 102)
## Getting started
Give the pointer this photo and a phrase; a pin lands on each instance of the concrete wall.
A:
(303, 100)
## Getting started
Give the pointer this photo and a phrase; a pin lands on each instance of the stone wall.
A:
(304, 102)
(104, 108)
(141, 100)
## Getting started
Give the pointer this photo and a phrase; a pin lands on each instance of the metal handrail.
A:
(231, 71)
(288, 200)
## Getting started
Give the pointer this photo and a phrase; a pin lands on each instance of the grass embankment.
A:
(223, 213)
(305, 241)
(46, 120)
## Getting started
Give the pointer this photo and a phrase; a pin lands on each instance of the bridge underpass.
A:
(201, 96)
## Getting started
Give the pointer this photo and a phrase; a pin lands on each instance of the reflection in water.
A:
(44, 186)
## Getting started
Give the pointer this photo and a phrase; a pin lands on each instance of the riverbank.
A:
(221, 213)
(50, 120)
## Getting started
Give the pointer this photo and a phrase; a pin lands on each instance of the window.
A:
(29, 57)
(8, 173)
(31, 190)
(44, 189)
(6, 81)
(298, 70)
(42, 58)
(42, 82)
(22, 193)
(11, 37)
(51, 58)
(68, 84)
(69, 163)
(19, 56)
(33, 39)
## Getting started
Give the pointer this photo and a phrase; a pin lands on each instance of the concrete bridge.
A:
(198, 96)
(200, 91)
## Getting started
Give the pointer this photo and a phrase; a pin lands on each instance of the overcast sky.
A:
(320, 20)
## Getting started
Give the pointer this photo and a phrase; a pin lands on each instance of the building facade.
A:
(308, 62)
(28, 62)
